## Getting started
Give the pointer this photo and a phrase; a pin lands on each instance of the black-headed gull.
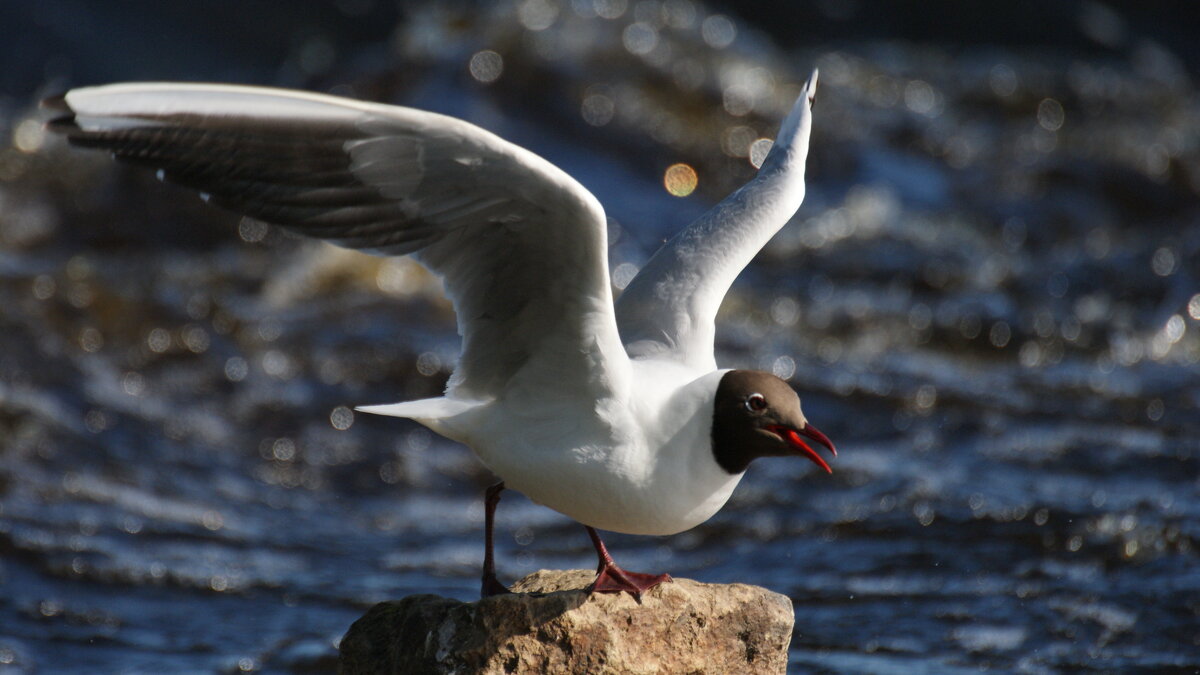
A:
(615, 415)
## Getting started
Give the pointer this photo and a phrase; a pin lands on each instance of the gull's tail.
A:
(442, 414)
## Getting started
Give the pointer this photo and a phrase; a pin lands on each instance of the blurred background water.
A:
(990, 300)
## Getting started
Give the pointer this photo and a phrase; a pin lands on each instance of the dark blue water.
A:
(990, 300)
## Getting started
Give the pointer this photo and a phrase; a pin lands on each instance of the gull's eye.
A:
(756, 403)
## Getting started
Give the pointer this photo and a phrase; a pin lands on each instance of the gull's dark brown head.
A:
(758, 415)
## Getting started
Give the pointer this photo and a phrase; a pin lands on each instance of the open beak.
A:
(793, 438)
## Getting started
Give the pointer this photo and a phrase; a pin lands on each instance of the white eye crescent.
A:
(756, 403)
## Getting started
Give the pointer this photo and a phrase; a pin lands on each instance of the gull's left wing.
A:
(670, 308)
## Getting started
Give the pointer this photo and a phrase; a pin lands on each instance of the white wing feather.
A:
(669, 309)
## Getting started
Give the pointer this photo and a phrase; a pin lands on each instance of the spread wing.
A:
(520, 246)
(670, 307)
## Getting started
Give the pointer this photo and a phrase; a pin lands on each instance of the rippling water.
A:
(990, 300)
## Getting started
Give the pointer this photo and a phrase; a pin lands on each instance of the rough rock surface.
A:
(551, 626)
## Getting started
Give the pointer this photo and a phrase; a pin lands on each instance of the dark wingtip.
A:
(62, 125)
(56, 102)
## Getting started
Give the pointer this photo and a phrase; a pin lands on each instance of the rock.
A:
(550, 625)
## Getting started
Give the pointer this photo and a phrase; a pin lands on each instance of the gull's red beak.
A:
(792, 437)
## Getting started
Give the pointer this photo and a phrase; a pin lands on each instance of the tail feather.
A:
(439, 414)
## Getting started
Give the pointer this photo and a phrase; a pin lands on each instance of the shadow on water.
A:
(990, 300)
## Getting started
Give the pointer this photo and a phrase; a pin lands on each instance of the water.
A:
(990, 301)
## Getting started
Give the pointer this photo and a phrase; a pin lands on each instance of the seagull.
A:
(612, 413)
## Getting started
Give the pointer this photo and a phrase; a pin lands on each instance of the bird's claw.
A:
(613, 579)
(492, 586)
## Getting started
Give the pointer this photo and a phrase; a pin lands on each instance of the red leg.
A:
(613, 579)
(491, 585)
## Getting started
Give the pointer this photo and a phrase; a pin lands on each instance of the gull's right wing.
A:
(519, 244)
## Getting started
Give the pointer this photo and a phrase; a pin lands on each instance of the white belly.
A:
(594, 492)
(645, 468)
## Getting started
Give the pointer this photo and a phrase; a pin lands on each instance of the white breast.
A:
(641, 466)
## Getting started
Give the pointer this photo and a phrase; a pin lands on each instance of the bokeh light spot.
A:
(29, 136)
(537, 15)
(597, 109)
(718, 31)
(251, 230)
(342, 418)
(1163, 262)
(1050, 114)
(1000, 334)
(736, 140)
(640, 38)
(1003, 80)
(783, 367)
(680, 180)
(623, 274)
(759, 150)
(610, 9)
(920, 97)
(486, 66)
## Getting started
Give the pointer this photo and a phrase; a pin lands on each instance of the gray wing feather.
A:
(520, 246)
